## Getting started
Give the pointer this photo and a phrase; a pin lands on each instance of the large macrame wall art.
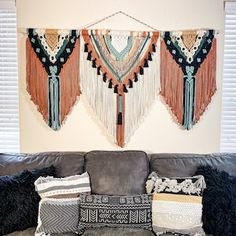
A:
(119, 78)
(188, 73)
(53, 72)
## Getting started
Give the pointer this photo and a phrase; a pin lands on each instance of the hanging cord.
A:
(123, 13)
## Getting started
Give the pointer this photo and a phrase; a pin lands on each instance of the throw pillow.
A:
(59, 207)
(219, 202)
(115, 211)
(19, 200)
(71, 186)
(177, 204)
(58, 216)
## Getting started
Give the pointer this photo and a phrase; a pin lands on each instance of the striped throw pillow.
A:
(71, 186)
(176, 204)
(59, 205)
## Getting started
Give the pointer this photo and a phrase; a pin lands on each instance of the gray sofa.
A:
(115, 173)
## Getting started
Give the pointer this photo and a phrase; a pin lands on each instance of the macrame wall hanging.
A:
(119, 77)
(188, 73)
(53, 72)
(119, 74)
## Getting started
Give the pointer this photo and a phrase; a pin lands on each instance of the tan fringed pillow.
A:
(176, 204)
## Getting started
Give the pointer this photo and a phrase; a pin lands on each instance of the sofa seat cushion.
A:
(117, 232)
(117, 172)
(31, 232)
(27, 232)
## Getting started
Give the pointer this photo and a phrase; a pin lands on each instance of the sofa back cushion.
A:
(66, 163)
(184, 165)
(117, 172)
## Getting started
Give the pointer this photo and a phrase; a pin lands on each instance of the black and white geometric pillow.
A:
(115, 211)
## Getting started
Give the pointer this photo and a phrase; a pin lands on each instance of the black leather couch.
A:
(115, 173)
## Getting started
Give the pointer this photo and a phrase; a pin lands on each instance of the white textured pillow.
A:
(177, 204)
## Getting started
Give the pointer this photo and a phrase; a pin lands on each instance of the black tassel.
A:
(105, 77)
(89, 57)
(141, 70)
(154, 48)
(125, 89)
(94, 63)
(116, 89)
(149, 56)
(86, 47)
(98, 70)
(145, 63)
(119, 118)
(130, 83)
(135, 77)
(110, 83)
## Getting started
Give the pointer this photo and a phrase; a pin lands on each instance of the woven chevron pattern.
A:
(115, 211)
(57, 216)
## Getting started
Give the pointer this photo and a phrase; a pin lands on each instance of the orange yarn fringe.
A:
(37, 82)
(172, 83)
(69, 82)
(205, 83)
(171, 78)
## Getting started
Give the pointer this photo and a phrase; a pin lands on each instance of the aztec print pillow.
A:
(177, 204)
(132, 211)
(59, 207)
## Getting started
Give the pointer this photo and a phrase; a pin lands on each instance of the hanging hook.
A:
(117, 13)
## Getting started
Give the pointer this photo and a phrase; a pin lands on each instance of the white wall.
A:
(81, 132)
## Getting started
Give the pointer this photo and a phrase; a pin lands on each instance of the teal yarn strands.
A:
(189, 98)
(54, 108)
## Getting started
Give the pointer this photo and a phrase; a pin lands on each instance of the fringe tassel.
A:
(70, 83)
(205, 83)
(37, 81)
(101, 99)
(171, 79)
(130, 83)
(149, 56)
(200, 183)
(104, 77)
(116, 88)
(139, 99)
